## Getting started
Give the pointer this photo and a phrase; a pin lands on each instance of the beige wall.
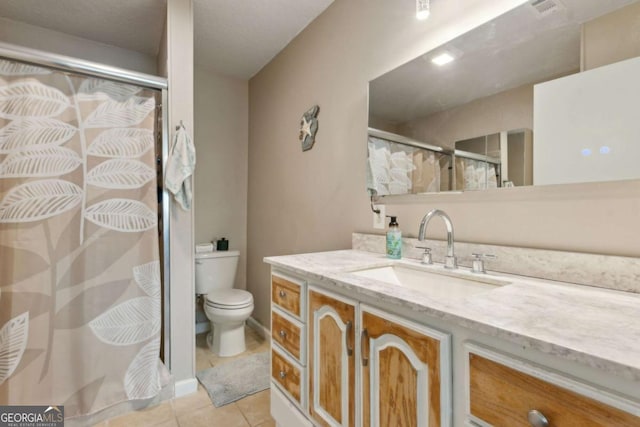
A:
(182, 291)
(312, 201)
(511, 109)
(222, 143)
(162, 66)
(64, 44)
(383, 124)
(611, 38)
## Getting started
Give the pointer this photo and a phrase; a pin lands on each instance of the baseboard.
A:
(185, 387)
(285, 413)
(259, 328)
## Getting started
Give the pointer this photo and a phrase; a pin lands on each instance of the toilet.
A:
(226, 308)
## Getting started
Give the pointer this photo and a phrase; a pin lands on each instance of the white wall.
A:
(222, 144)
(64, 44)
(312, 201)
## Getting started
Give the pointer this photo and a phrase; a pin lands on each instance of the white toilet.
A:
(226, 308)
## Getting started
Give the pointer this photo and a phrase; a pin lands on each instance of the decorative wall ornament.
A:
(309, 127)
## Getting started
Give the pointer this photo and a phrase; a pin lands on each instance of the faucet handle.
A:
(426, 256)
(477, 266)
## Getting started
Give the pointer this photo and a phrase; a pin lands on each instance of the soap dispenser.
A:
(394, 239)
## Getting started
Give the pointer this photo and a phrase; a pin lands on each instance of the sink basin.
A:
(438, 284)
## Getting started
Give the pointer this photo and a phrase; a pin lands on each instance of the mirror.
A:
(482, 162)
(544, 94)
(399, 165)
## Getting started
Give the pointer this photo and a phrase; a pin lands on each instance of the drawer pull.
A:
(364, 349)
(283, 374)
(347, 338)
(282, 294)
(282, 333)
(537, 419)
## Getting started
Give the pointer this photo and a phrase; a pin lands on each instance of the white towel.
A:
(180, 167)
(204, 247)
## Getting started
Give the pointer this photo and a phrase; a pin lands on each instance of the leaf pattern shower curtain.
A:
(79, 256)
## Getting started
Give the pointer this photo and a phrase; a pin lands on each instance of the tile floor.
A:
(196, 409)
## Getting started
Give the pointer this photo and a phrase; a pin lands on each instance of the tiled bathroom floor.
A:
(206, 359)
(196, 409)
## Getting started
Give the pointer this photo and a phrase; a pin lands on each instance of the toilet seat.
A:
(229, 299)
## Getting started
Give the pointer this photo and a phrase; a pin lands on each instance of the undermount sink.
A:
(435, 283)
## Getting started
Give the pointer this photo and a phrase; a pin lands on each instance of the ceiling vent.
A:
(545, 8)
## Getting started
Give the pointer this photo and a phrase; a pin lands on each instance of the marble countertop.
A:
(594, 326)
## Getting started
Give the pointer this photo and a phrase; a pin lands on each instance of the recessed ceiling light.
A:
(442, 59)
(422, 9)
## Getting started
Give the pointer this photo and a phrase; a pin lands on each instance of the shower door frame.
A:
(93, 69)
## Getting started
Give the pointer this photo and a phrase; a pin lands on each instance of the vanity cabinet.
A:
(288, 344)
(350, 352)
(331, 359)
(406, 372)
(506, 391)
(404, 367)
(288, 294)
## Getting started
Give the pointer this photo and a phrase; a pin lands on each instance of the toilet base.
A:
(226, 339)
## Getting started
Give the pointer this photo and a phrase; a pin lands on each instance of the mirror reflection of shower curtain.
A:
(475, 174)
(79, 257)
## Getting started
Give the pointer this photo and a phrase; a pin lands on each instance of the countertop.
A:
(594, 326)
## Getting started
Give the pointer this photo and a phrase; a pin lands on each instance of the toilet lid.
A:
(229, 298)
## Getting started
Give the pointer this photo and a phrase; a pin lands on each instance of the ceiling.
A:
(130, 24)
(520, 47)
(239, 37)
(233, 37)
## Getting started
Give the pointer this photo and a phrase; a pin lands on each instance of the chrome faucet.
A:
(450, 260)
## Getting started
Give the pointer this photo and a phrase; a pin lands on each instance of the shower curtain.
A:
(79, 257)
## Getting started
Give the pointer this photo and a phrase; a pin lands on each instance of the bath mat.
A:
(234, 380)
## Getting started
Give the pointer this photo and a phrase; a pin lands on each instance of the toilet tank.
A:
(216, 270)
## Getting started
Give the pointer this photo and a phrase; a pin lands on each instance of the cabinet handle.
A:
(282, 294)
(347, 338)
(537, 419)
(283, 374)
(364, 347)
(282, 333)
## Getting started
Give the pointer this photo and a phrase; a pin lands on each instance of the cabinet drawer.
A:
(287, 294)
(501, 395)
(288, 335)
(287, 375)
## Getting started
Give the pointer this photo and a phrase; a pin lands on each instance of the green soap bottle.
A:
(394, 240)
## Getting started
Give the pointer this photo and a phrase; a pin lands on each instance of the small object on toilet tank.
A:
(222, 244)
(204, 247)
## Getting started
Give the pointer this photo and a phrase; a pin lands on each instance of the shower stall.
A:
(83, 233)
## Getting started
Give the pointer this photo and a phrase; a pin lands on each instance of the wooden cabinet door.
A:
(406, 373)
(331, 360)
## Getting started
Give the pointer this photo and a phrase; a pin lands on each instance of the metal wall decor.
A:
(309, 127)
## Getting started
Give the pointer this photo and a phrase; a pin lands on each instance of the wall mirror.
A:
(545, 94)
